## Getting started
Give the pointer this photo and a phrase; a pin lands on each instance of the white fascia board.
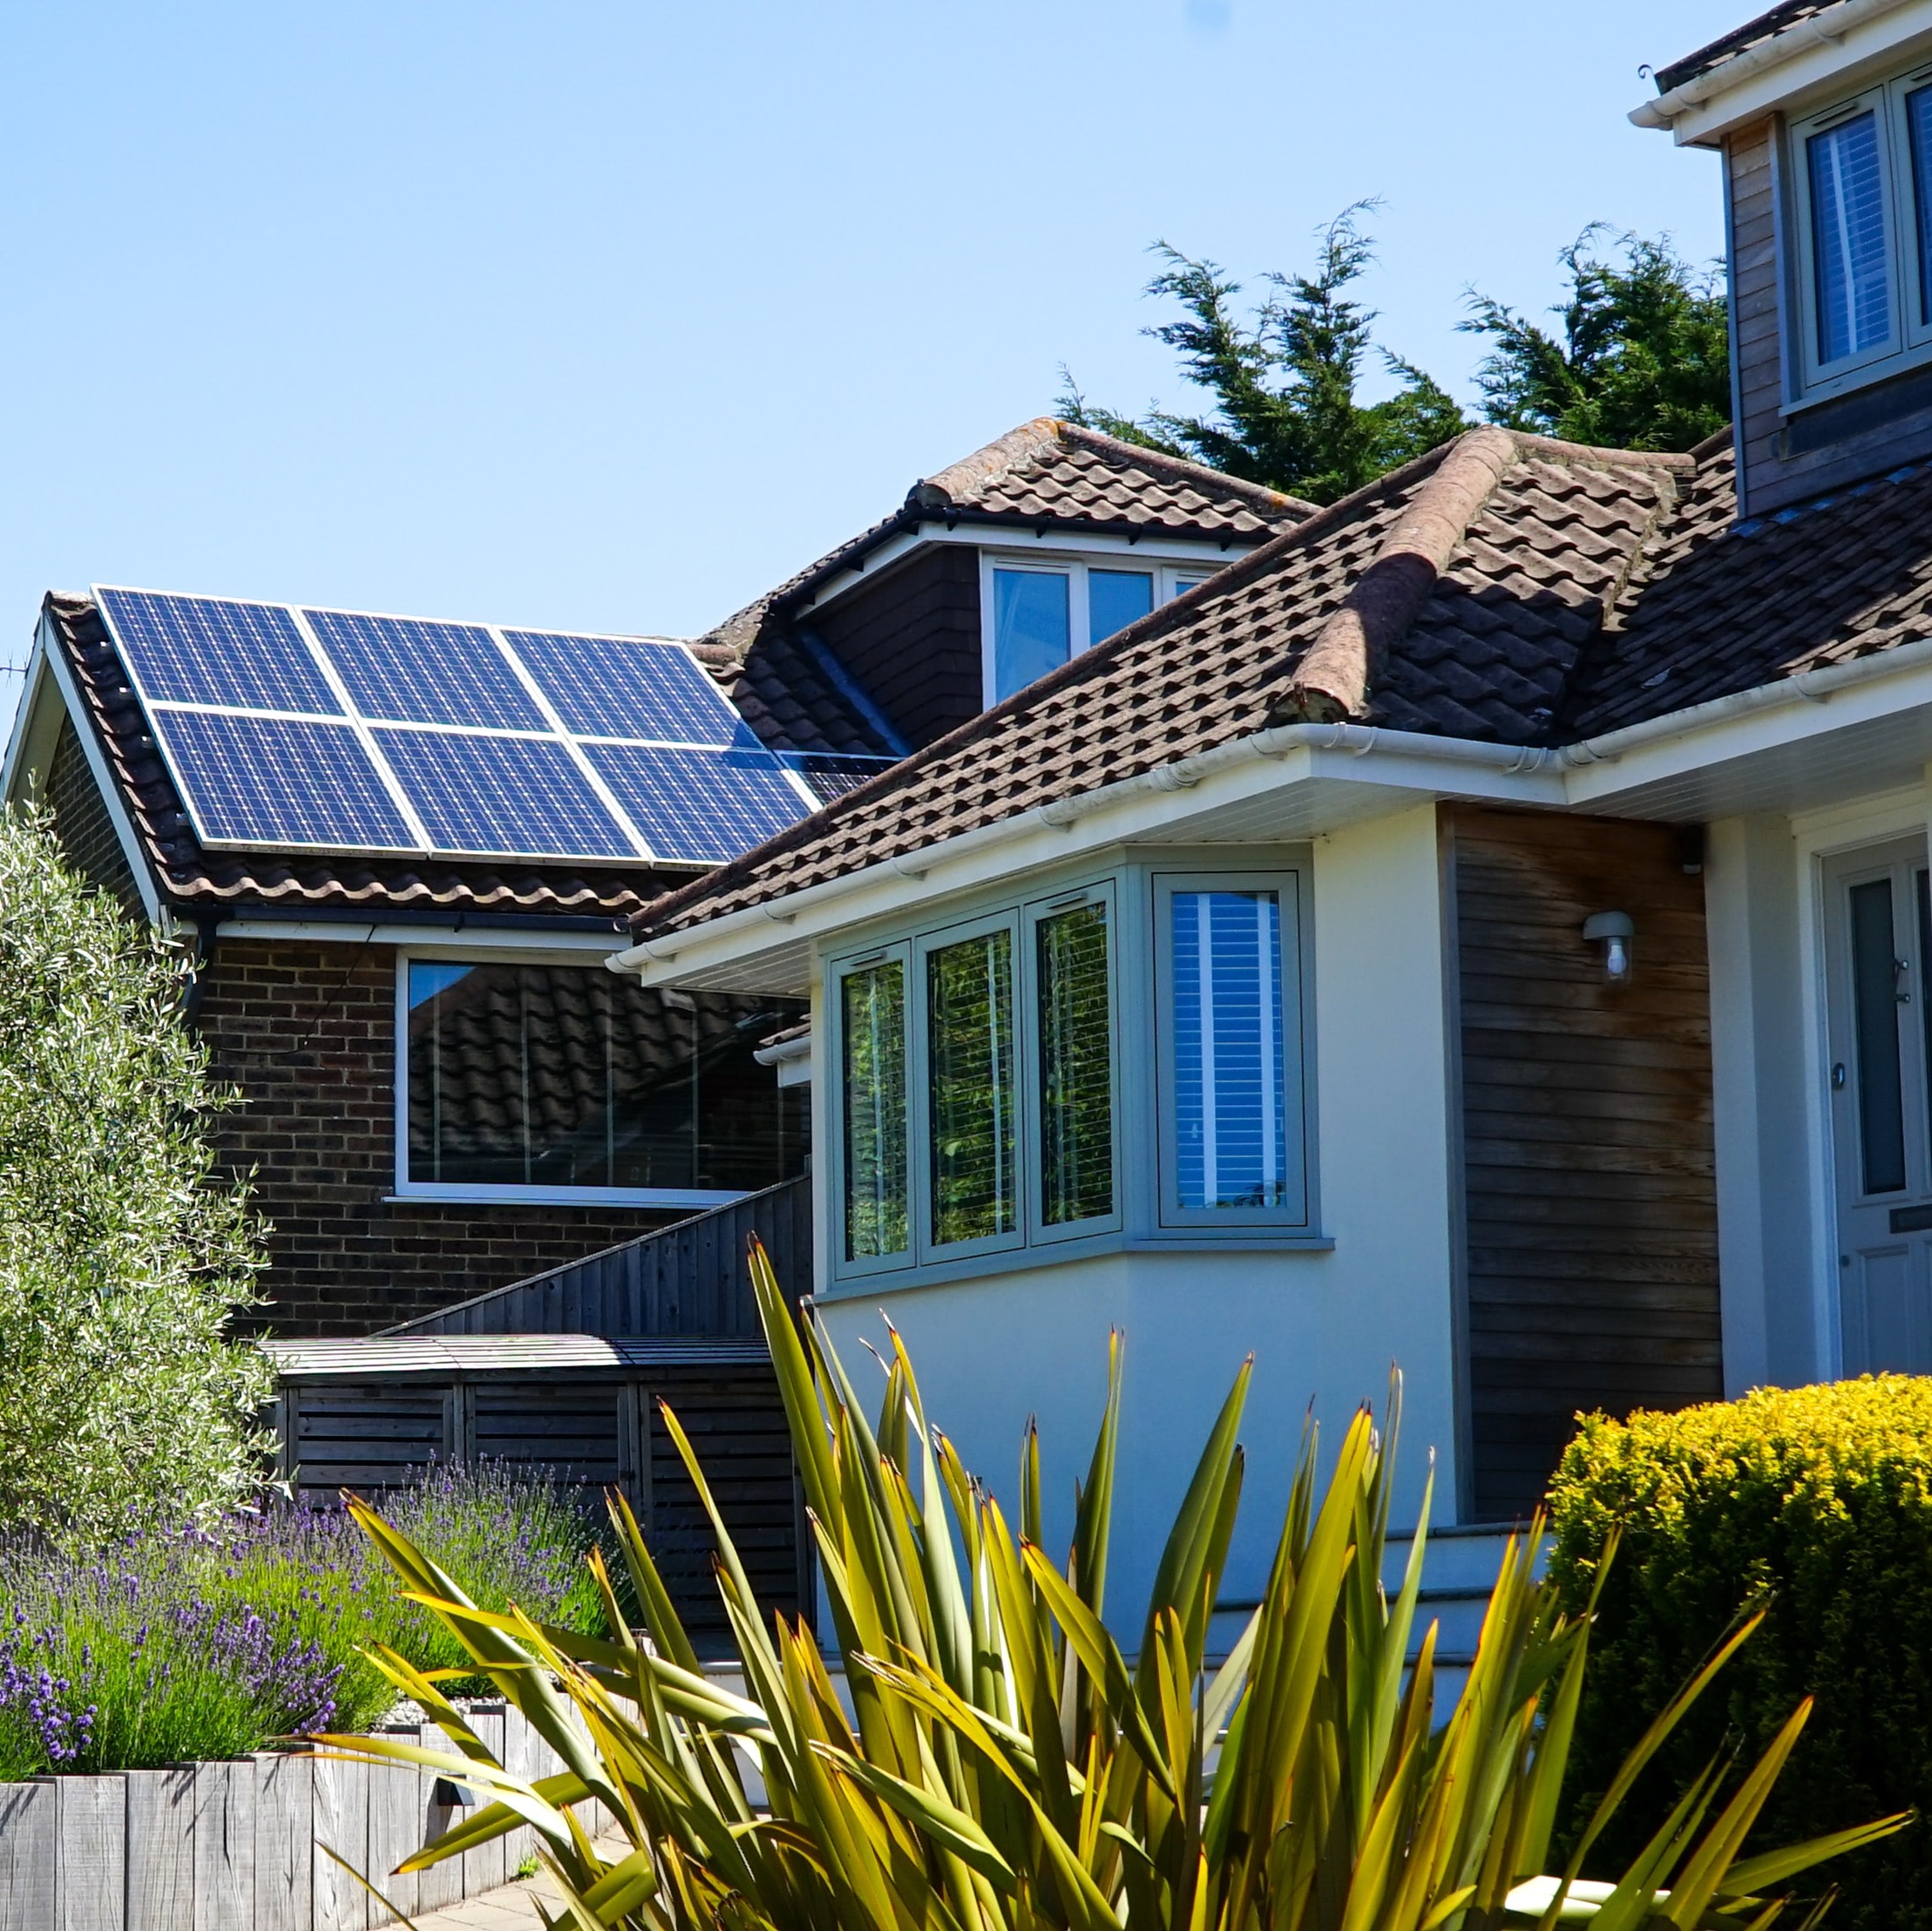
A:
(1834, 51)
(1159, 806)
(1054, 540)
(36, 721)
(48, 653)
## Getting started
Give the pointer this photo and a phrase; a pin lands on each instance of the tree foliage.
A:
(1287, 411)
(123, 1258)
(1641, 360)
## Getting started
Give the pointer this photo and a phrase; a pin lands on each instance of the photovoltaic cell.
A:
(207, 650)
(832, 774)
(699, 806)
(503, 796)
(412, 672)
(625, 687)
(271, 781)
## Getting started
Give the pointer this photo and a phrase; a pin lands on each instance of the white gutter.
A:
(1826, 27)
(1062, 813)
(1805, 688)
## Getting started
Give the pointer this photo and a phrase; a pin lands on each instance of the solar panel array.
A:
(330, 730)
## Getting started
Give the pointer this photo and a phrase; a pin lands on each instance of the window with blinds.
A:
(971, 1095)
(1076, 1064)
(872, 1092)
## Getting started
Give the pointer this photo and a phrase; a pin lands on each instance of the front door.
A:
(1879, 932)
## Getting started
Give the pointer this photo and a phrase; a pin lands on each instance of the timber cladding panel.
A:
(912, 639)
(1589, 1174)
(307, 1032)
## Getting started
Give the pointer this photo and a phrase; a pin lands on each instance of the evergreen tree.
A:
(124, 1397)
(1286, 411)
(1642, 360)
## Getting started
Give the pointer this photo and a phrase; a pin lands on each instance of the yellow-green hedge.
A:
(1821, 1498)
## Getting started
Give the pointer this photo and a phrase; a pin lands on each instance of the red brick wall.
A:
(308, 1033)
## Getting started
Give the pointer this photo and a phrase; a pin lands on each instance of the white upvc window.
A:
(1122, 1059)
(546, 1079)
(1038, 611)
(1862, 170)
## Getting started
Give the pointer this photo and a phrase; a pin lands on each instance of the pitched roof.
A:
(1458, 595)
(1727, 47)
(1047, 473)
(191, 880)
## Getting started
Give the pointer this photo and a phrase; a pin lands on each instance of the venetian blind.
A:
(1076, 1079)
(1230, 1051)
(873, 1030)
(1847, 207)
(969, 1030)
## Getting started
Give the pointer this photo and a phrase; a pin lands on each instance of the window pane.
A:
(1115, 599)
(1230, 1050)
(1918, 121)
(1030, 633)
(874, 1033)
(570, 1076)
(1847, 207)
(969, 1022)
(1876, 1025)
(1076, 1084)
(1183, 584)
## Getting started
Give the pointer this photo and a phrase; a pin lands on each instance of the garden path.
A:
(512, 1909)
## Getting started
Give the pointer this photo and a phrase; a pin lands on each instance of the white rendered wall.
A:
(1324, 1327)
(1755, 909)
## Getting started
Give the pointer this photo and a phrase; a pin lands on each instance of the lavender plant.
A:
(211, 1640)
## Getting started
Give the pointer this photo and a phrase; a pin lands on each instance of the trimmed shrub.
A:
(1818, 1501)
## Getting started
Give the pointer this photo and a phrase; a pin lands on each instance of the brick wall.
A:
(308, 1033)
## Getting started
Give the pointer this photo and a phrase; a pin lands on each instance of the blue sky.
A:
(609, 314)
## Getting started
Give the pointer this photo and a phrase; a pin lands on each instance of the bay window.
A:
(557, 1080)
(1120, 1060)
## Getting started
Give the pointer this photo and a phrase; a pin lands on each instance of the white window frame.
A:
(1168, 575)
(1286, 883)
(508, 1193)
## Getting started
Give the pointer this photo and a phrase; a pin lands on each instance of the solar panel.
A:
(272, 781)
(496, 796)
(417, 672)
(832, 774)
(626, 687)
(699, 807)
(209, 650)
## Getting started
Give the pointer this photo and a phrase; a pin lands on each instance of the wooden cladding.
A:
(1588, 1178)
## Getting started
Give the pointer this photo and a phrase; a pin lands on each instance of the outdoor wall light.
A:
(1613, 930)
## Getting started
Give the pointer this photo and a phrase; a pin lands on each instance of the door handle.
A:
(1838, 1077)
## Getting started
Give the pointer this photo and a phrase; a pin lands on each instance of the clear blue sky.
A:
(610, 314)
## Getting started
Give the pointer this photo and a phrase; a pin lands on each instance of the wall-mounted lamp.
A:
(1613, 930)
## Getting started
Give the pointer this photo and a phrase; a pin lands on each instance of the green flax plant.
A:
(996, 1762)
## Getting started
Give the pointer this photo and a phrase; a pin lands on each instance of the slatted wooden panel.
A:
(737, 1427)
(689, 1279)
(367, 1436)
(1590, 1197)
(580, 1432)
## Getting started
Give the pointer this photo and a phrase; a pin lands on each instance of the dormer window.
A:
(1865, 215)
(1035, 608)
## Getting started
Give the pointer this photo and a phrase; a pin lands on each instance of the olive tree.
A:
(125, 1255)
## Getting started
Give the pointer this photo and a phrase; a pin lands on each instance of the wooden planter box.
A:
(237, 1846)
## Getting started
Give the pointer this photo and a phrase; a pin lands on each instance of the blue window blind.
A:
(1853, 276)
(1230, 1061)
(1918, 122)
(1031, 627)
(1076, 1075)
(872, 1022)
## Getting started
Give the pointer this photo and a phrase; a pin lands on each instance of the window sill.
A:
(1014, 1260)
(695, 1198)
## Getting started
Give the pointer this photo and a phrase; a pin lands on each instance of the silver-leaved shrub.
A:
(124, 1395)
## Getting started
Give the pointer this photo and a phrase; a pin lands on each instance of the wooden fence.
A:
(689, 1278)
(239, 1845)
